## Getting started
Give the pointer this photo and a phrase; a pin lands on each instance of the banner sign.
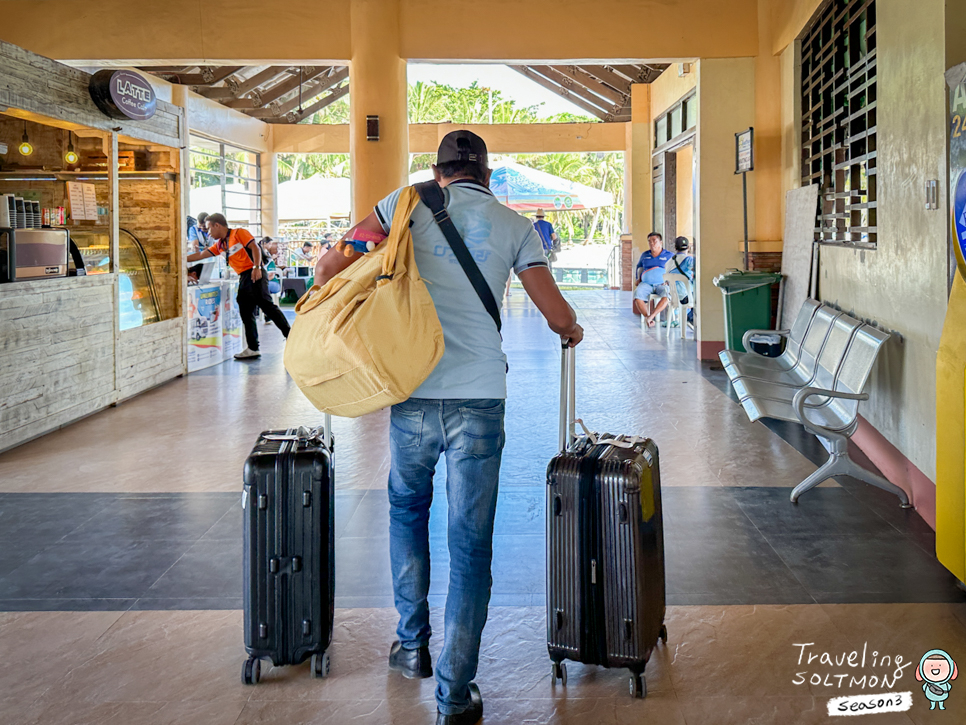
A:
(957, 170)
(204, 327)
(745, 151)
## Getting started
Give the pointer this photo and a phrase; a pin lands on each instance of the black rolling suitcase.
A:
(605, 547)
(289, 565)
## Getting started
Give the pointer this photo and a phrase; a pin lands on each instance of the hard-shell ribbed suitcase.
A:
(605, 548)
(289, 563)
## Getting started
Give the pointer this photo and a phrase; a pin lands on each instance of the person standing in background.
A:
(245, 258)
(548, 237)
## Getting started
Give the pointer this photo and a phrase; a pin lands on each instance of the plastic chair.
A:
(675, 305)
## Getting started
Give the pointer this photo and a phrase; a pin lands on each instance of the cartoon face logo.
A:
(936, 672)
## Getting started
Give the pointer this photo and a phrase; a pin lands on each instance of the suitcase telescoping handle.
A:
(568, 403)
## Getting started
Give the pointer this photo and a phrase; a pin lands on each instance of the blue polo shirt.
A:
(473, 364)
(545, 230)
(654, 266)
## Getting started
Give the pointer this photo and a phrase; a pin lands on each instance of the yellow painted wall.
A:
(669, 88)
(684, 193)
(768, 135)
(638, 168)
(787, 19)
(281, 30)
(726, 104)
(424, 138)
(902, 284)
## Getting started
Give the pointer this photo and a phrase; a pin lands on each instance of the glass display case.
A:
(138, 293)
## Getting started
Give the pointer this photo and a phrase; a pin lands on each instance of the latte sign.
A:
(123, 94)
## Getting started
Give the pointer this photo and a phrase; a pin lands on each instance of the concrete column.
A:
(377, 87)
(769, 199)
(637, 159)
(726, 104)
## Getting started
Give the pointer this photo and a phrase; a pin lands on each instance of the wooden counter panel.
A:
(148, 356)
(56, 354)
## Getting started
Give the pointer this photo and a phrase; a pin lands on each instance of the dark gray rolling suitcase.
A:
(605, 547)
(289, 564)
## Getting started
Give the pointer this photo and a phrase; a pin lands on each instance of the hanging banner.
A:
(957, 168)
(204, 327)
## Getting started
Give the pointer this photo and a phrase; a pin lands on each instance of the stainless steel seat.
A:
(753, 362)
(822, 395)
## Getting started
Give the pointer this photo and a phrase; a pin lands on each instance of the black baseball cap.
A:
(461, 146)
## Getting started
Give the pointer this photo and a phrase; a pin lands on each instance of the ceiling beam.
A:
(273, 93)
(560, 91)
(574, 74)
(634, 73)
(208, 76)
(566, 83)
(277, 109)
(603, 73)
(260, 79)
(296, 117)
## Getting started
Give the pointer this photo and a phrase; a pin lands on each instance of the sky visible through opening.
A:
(513, 85)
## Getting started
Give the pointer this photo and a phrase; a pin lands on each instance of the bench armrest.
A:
(805, 393)
(746, 338)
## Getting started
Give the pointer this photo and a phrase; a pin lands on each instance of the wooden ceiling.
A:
(274, 94)
(603, 91)
(290, 94)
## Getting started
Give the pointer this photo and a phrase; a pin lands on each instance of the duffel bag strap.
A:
(432, 196)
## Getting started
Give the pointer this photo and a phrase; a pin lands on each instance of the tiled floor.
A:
(120, 556)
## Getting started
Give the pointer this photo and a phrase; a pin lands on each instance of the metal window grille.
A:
(237, 174)
(838, 52)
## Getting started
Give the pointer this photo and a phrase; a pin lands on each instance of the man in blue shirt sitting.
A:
(650, 275)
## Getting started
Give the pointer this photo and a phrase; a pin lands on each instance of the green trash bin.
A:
(747, 303)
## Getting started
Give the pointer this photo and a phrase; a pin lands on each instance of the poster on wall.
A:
(957, 162)
(204, 327)
(231, 336)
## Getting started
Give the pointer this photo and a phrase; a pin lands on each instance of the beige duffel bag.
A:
(370, 336)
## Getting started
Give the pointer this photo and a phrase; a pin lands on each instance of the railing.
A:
(614, 267)
(580, 277)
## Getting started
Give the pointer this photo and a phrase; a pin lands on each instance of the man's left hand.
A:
(256, 274)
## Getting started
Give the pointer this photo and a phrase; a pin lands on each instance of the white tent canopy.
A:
(314, 198)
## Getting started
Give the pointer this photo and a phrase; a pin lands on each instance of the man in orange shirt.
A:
(245, 258)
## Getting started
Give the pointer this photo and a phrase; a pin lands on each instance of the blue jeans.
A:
(470, 434)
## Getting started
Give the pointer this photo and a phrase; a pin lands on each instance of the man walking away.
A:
(548, 237)
(245, 258)
(458, 412)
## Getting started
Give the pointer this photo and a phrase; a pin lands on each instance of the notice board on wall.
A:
(801, 213)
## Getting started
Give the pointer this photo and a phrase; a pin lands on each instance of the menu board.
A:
(83, 201)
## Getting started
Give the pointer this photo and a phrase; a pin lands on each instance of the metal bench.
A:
(821, 390)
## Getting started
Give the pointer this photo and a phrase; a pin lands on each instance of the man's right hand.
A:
(574, 336)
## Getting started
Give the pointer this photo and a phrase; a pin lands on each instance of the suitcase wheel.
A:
(664, 633)
(251, 671)
(559, 672)
(638, 686)
(320, 665)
